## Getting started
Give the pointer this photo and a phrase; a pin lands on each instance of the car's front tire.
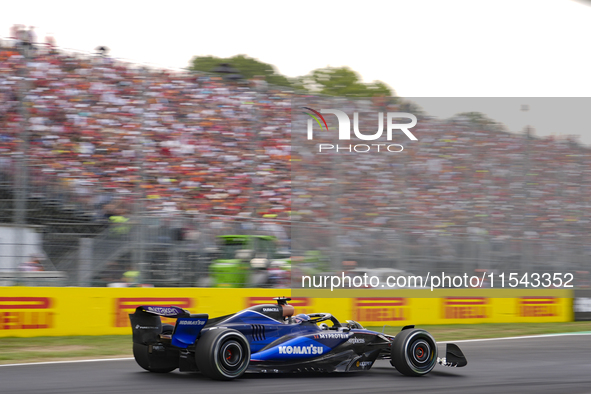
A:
(414, 352)
(222, 354)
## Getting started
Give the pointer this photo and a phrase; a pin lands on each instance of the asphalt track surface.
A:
(552, 364)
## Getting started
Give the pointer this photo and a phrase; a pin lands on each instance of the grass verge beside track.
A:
(24, 350)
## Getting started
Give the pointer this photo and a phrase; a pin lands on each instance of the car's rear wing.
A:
(146, 325)
(166, 311)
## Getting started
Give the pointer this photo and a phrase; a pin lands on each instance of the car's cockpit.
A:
(284, 313)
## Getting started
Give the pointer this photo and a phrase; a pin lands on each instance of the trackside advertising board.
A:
(43, 311)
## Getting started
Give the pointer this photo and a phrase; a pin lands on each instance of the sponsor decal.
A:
(331, 336)
(161, 310)
(465, 308)
(356, 340)
(25, 313)
(364, 364)
(125, 306)
(380, 309)
(138, 327)
(301, 305)
(270, 310)
(538, 306)
(191, 322)
(186, 331)
(310, 349)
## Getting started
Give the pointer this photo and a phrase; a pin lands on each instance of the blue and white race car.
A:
(268, 338)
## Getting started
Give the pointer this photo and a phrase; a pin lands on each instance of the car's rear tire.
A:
(222, 354)
(414, 352)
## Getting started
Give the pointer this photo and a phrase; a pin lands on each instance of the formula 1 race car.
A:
(269, 339)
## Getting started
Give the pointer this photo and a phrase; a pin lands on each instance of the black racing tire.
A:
(414, 352)
(222, 354)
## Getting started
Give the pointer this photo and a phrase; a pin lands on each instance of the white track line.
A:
(68, 361)
(460, 341)
(566, 334)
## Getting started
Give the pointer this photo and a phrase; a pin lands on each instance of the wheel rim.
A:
(421, 353)
(231, 357)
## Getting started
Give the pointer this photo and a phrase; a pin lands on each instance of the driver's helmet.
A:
(301, 318)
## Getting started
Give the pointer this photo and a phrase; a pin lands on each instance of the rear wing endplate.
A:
(146, 325)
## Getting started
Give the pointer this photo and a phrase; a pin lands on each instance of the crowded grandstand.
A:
(110, 144)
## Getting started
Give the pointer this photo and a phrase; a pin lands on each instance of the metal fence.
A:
(178, 251)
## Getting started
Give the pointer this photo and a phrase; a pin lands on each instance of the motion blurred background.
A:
(116, 172)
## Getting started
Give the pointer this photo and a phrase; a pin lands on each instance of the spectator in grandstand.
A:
(32, 265)
(31, 36)
(120, 225)
(14, 32)
(131, 277)
(14, 37)
(50, 42)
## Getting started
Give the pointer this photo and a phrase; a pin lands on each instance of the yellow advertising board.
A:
(43, 311)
